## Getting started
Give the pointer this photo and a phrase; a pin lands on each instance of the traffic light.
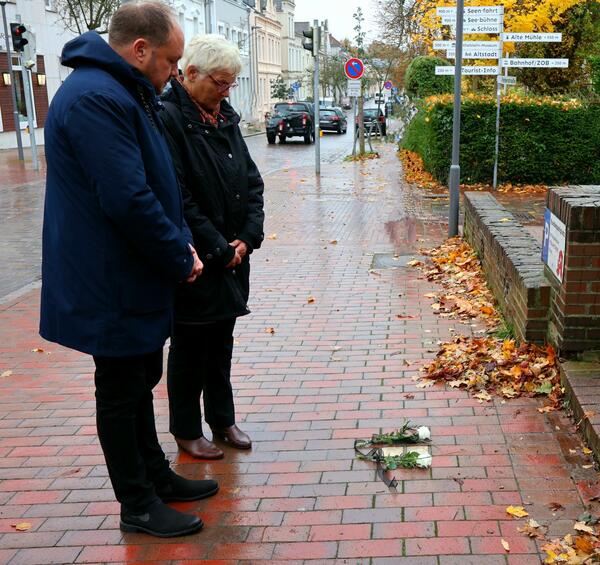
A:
(17, 32)
(313, 45)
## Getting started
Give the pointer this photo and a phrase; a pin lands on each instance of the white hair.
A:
(210, 53)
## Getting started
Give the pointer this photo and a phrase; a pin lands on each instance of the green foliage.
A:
(279, 90)
(541, 140)
(421, 81)
(594, 62)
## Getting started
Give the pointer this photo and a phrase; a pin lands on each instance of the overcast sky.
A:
(339, 13)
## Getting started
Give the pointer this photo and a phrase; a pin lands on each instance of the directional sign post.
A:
(483, 20)
(454, 177)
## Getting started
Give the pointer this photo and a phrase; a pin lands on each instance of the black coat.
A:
(223, 200)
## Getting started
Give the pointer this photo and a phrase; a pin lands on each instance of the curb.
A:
(253, 134)
(582, 387)
(13, 297)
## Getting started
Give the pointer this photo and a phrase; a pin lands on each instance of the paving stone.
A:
(334, 371)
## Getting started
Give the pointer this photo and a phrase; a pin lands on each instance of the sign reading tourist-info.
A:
(553, 247)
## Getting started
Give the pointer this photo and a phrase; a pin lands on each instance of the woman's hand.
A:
(240, 247)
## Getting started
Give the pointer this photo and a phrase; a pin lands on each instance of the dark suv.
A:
(333, 119)
(291, 119)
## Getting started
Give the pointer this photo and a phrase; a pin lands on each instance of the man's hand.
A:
(240, 247)
(196, 268)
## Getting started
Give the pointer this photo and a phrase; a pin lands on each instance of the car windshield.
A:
(288, 108)
(328, 113)
(370, 113)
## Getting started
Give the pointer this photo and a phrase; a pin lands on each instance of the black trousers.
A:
(200, 364)
(126, 427)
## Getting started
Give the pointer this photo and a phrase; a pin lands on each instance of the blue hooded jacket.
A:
(114, 239)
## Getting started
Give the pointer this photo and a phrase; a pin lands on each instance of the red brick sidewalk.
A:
(335, 369)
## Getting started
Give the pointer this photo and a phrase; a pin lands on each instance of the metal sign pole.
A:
(30, 110)
(355, 125)
(13, 87)
(497, 150)
(317, 39)
(454, 179)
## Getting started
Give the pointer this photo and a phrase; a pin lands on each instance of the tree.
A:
(80, 16)
(332, 75)
(279, 90)
(360, 40)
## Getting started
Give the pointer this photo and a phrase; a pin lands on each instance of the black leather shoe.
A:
(161, 521)
(179, 489)
(233, 436)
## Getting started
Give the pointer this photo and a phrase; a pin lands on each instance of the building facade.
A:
(265, 31)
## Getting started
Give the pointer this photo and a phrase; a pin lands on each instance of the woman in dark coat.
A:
(223, 206)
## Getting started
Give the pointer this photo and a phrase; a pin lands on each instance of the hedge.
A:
(421, 81)
(542, 140)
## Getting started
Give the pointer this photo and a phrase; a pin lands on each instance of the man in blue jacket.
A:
(114, 246)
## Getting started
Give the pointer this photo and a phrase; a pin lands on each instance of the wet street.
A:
(22, 198)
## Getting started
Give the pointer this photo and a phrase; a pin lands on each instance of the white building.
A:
(50, 36)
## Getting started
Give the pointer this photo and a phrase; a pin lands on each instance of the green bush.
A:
(421, 81)
(541, 140)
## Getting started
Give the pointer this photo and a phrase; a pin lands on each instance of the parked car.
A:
(291, 119)
(370, 117)
(333, 119)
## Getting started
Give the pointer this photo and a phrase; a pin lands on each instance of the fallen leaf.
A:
(517, 511)
(333, 242)
(311, 300)
(584, 544)
(270, 330)
(504, 220)
(430, 295)
(555, 506)
(483, 396)
(587, 450)
(414, 263)
(21, 526)
(404, 317)
(505, 545)
(272, 236)
(425, 384)
(583, 527)
(589, 414)
(6, 374)
(37, 350)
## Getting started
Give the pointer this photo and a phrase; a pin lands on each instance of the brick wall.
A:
(40, 95)
(511, 260)
(575, 310)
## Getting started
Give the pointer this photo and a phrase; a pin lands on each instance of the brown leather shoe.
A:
(200, 448)
(233, 436)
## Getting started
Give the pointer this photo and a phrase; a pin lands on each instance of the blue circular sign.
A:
(354, 68)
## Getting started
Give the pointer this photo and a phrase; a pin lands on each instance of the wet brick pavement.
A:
(335, 369)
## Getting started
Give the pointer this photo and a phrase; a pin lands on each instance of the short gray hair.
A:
(211, 52)
(153, 21)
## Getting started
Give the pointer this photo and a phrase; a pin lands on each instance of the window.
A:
(49, 4)
(196, 29)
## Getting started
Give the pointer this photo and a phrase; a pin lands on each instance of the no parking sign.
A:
(354, 68)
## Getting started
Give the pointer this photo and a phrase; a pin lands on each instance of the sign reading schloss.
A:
(469, 10)
(443, 70)
(483, 28)
(467, 44)
(535, 63)
(532, 37)
(471, 53)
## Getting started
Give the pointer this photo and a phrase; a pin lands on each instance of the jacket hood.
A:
(90, 50)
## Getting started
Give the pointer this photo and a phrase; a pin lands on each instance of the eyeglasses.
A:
(223, 87)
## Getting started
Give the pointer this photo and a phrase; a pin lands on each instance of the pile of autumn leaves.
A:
(487, 366)
(414, 172)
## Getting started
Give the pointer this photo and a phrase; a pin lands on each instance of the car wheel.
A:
(282, 139)
(307, 137)
(270, 139)
(339, 130)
